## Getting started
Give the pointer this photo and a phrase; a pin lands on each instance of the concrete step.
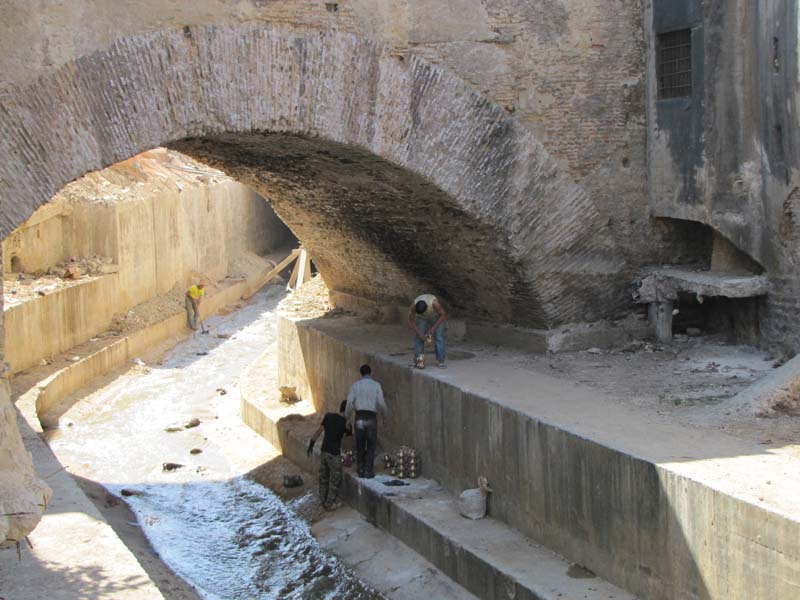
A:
(486, 557)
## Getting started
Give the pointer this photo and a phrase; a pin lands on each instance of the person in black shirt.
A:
(330, 461)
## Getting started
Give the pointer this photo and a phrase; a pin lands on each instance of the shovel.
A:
(203, 329)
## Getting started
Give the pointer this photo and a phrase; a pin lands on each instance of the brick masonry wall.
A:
(462, 176)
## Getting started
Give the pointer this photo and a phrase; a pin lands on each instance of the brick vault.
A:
(394, 172)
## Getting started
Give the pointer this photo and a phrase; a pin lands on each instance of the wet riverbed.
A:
(227, 536)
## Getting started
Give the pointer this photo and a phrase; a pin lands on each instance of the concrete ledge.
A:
(664, 511)
(565, 338)
(486, 557)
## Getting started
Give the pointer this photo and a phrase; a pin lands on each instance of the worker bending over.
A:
(194, 296)
(365, 401)
(330, 460)
(426, 317)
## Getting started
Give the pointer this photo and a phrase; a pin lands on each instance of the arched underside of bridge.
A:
(395, 174)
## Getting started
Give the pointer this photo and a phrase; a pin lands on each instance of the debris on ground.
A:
(785, 400)
(171, 466)
(221, 391)
(289, 394)
(472, 502)
(128, 492)
(193, 423)
(292, 481)
(152, 311)
(309, 301)
(195, 451)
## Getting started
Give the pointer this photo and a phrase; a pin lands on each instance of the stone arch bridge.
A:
(395, 173)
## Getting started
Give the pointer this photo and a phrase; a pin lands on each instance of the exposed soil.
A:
(24, 287)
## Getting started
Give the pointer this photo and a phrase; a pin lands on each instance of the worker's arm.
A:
(412, 322)
(381, 402)
(442, 316)
(313, 440)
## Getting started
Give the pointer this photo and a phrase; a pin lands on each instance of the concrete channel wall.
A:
(658, 531)
(157, 241)
(73, 377)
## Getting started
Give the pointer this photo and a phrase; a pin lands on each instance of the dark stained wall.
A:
(728, 155)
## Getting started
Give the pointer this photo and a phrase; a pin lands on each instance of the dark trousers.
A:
(366, 433)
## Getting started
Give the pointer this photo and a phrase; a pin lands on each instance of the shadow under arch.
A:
(527, 235)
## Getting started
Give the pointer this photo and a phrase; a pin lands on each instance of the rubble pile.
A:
(78, 266)
(309, 301)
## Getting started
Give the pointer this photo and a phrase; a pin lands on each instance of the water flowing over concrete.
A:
(227, 536)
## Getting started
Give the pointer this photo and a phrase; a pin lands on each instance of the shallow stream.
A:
(227, 536)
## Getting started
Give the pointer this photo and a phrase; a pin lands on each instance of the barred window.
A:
(674, 64)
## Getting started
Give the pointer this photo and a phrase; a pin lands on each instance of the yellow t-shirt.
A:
(195, 292)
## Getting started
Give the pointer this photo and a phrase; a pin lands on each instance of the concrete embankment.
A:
(159, 218)
(46, 396)
(486, 557)
(661, 510)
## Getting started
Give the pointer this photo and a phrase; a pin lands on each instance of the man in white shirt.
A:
(365, 401)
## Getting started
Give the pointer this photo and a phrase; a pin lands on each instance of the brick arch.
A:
(520, 242)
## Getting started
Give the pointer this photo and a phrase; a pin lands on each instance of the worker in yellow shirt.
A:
(194, 296)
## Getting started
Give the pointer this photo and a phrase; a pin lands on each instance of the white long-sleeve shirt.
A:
(365, 394)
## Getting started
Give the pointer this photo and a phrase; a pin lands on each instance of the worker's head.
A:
(420, 307)
(365, 370)
(343, 406)
(201, 285)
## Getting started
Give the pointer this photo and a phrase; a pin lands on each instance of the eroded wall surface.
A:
(728, 154)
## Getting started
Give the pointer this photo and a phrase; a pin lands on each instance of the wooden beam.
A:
(307, 271)
(295, 271)
(301, 271)
(266, 279)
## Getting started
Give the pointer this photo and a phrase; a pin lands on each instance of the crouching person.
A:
(330, 462)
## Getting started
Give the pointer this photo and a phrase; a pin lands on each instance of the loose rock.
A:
(171, 466)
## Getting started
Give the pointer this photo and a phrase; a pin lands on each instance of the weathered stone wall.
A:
(451, 141)
(728, 155)
(570, 72)
(495, 148)
(23, 495)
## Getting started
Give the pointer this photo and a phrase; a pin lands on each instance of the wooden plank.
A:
(280, 267)
(301, 271)
(293, 277)
(307, 271)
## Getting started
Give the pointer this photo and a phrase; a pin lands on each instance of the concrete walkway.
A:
(75, 554)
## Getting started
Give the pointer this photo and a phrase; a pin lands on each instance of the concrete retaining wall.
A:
(159, 241)
(51, 324)
(658, 531)
(70, 379)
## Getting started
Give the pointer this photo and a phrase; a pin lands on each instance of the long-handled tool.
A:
(203, 330)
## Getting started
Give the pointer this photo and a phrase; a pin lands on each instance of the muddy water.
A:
(225, 535)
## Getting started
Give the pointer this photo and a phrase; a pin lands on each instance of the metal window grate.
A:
(674, 54)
